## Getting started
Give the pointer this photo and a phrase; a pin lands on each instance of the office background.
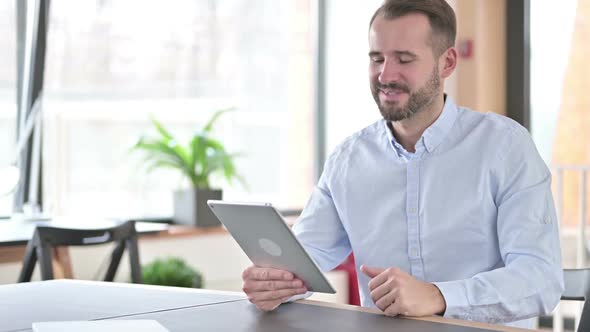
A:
(295, 70)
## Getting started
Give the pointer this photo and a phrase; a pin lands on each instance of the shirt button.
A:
(412, 210)
(414, 253)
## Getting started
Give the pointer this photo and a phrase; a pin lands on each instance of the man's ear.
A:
(448, 60)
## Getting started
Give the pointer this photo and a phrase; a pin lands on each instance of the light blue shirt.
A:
(470, 211)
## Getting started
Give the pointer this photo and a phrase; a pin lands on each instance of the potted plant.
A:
(197, 160)
(171, 271)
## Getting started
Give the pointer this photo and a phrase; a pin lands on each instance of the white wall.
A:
(349, 104)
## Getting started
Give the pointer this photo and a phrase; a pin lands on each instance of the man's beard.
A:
(417, 101)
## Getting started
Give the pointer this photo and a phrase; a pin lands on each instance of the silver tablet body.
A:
(267, 240)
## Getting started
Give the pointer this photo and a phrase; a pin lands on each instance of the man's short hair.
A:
(441, 16)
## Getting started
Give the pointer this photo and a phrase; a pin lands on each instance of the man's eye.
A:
(376, 60)
(404, 61)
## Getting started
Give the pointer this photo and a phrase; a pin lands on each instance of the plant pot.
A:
(190, 207)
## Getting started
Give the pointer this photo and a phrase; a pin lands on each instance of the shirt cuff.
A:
(455, 297)
(299, 297)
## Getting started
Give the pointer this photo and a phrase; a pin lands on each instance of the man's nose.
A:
(389, 72)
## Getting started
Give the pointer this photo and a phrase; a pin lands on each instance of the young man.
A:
(447, 211)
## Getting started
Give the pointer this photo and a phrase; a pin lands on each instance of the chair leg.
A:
(132, 249)
(45, 262)
(115, 260)
(30, 258)
(585, 318)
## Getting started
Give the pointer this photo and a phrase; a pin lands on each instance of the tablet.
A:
(264, 236)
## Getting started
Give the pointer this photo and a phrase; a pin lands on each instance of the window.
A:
(349, 104)
(560, 102)
(550, 52)
(7, 92)
(111, 64)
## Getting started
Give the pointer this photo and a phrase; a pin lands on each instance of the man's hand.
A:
(267, 288)
(397, 293)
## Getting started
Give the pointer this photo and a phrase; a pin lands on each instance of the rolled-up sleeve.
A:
(531, 281)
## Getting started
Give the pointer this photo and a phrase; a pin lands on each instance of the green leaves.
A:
(214, 118)
(198, 160)
(171, 271)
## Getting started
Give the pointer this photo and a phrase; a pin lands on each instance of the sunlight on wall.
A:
(550, 49)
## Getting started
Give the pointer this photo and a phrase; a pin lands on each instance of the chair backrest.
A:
(577, 288)
(46, 238)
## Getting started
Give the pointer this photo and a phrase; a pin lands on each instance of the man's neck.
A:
(407, 132)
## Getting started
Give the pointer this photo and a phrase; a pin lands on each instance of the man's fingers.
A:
(380, 291)
(378, 275)
(274, 295)
(262, 273)
(388, 275)
(383, 302)
(383, 296)
(268, 305)
(371, 272)
(393, 309)
(379, 280)
(267, 288)
(270, 285)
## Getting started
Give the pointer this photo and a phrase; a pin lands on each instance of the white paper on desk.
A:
(144, 325)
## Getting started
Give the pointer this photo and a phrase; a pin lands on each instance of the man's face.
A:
(403, 72)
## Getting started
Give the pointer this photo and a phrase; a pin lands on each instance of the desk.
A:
(20, 232)
(197, 310)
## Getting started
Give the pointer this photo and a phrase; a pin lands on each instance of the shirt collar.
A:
(433, 135)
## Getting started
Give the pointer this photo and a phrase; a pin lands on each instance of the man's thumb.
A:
(371, 272)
